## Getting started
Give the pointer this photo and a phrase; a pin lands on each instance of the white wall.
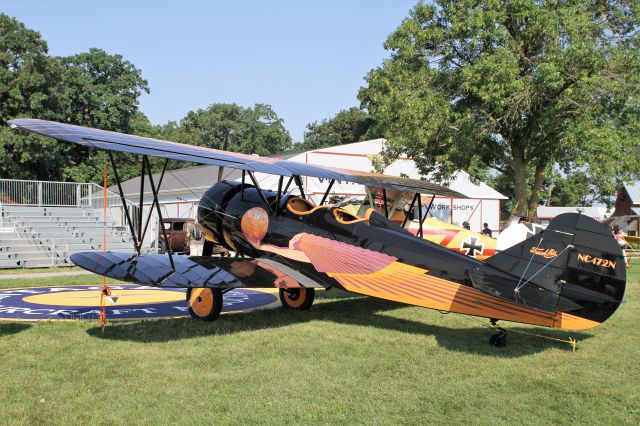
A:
(474, 211)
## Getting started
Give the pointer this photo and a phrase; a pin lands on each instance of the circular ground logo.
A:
(131, 302)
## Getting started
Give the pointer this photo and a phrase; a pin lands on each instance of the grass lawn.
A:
(39, 270)
(347, 360)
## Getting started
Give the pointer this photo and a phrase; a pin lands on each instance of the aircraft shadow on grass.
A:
(347, 309)
(7, 329)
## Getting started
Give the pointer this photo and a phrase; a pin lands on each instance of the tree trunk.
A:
(225, 146)
(519, 167)
(536, 191)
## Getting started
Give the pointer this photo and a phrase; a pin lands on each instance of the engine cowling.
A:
(220, 213)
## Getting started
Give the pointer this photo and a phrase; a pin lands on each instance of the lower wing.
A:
(192, 271)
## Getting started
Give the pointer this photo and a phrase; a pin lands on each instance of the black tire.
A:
(297, 298)
(499, 340)
(207, 306)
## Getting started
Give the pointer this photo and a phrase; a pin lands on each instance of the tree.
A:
(513, 85)
(28, 87)
(101, 90)
(347, 126)
(93, 89)
(28, 76)
(256, 130)
(573, 190)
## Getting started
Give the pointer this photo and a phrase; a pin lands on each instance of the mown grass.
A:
(39, 270)
(349, 360)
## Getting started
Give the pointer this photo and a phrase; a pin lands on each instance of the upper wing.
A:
(114, 141)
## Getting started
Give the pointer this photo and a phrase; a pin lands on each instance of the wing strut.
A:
(298, 180)
(326, 194)
(146, 225)
(384, 200)
(138, 237)
(260, 193)
(426, 213)
(142, 173)
(156, 202)
(286, 188)
(244, 172)
(420, 216)
(413, 203)
(279, 196)
(124, 202)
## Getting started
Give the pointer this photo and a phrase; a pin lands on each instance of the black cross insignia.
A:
(472, 247)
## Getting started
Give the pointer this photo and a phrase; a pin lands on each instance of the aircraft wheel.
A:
(205, 304)
(297, 298)
(499, 340)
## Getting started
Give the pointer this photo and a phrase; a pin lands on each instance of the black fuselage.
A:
(521, 274)
(222, 207)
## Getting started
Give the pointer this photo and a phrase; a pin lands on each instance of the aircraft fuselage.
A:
(223, 207)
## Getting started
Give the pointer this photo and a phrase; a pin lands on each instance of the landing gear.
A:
(204, 304)
(297, 298)
(499, 339)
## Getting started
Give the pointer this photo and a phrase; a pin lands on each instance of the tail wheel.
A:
(297, 298)
(499, 339)
(204, 304)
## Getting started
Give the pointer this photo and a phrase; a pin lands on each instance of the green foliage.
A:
(573, 190)
(93, 88)
(347, 126)
(101, 90)
(28, 85)
(256, 130)
(28, 77)
(29, 156)
(513, 85)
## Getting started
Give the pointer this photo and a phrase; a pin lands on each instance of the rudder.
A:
(575, 265)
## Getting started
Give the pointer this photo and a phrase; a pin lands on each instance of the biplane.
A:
(569, 276)
(456, 238)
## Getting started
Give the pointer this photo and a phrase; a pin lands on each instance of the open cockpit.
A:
(302, 207)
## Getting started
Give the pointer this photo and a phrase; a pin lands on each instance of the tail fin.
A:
(574, 265)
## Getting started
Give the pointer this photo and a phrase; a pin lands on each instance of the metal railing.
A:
(43, 193)
(55, 194)
(90, 198)
(36, 193)
(49, 243)
(96, 200)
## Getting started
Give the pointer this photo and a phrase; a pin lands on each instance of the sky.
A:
(305, 59)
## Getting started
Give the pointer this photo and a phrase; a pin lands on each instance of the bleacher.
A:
(45, 236)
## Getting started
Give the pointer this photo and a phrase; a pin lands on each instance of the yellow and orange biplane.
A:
(570, 276)
(456, 238)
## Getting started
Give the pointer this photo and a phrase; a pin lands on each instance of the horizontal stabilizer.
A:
(530, 295)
